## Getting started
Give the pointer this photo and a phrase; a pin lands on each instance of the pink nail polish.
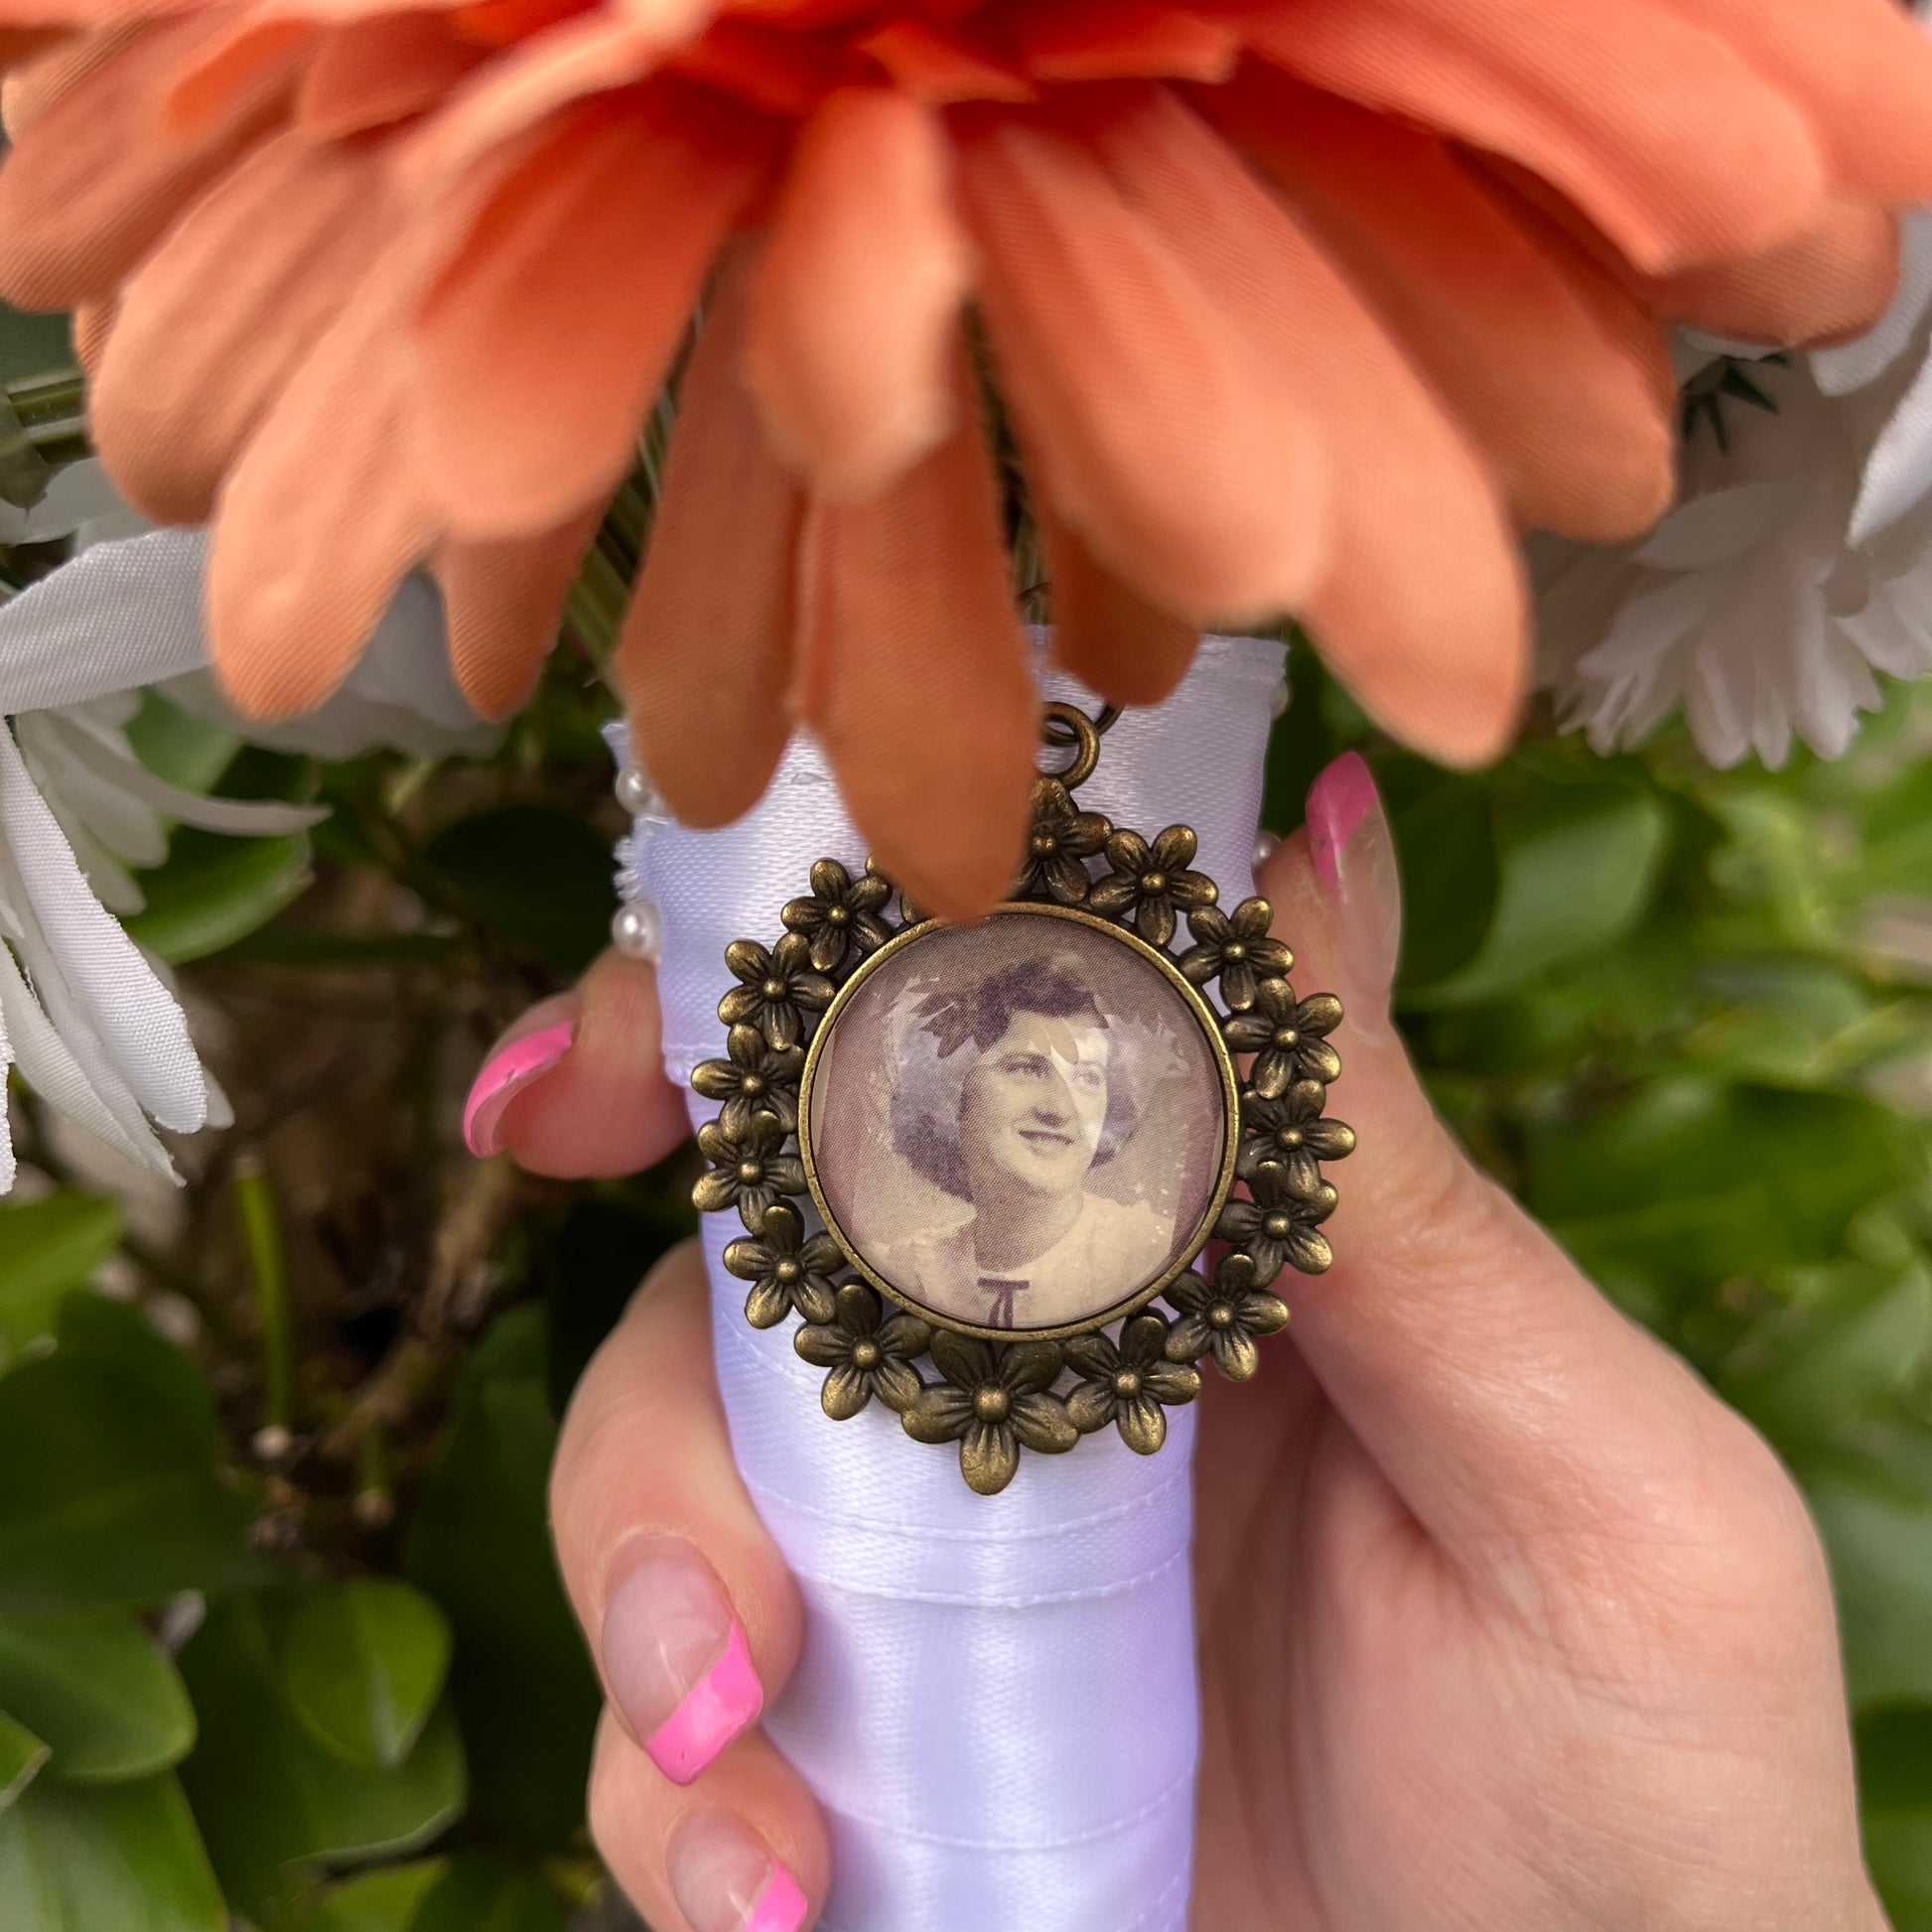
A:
(677, 1663)
(725, 1880)
(1339, 799)
(1353, 853)
(504, 1076)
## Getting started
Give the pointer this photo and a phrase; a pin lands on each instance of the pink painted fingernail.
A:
(507, 1071)
(725, 1880)
(676, 1661)
(1353, 853)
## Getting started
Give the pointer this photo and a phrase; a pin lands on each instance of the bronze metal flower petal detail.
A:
(750, 1172)
(868, 1352)
(787, 1272)
(1288, 1038)
(1061, 841)
(1152, 883)
(1236, 948)
(1291, 1131)
(991, 1403)
(1129, 1384)
(776, 989)
(841, 917)
(1277, 1227)
(1224, 1317)
(754, 1077)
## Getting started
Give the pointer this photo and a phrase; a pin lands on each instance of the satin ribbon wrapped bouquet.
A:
(915, 324)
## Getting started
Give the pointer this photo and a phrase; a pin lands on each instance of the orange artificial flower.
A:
(1291, 305)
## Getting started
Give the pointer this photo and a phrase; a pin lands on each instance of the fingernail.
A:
(1354, 860)
(725, 1880)
(677, 1663)
(507, 1071)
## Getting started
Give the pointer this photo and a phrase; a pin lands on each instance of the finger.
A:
(691, 1613)
(745, 1851)
(577, 1087)
(1490, 1381)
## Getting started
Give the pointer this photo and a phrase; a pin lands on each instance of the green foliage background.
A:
(280, 1634)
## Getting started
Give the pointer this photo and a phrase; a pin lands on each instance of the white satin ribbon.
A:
(995, 1699)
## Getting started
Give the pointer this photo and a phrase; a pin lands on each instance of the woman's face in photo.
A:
(1034, 1106)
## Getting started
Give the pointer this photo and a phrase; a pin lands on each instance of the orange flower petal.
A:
(780, 72)
(1656, 129)
(503, 604)
(706, 646)
(1117, 39)
(87, 193)
(322, 518)
(19, 44)
(219, 86)
(92, 327)
(369, 74)
(1421, 607)
(542, 342)
(1578, 420)
(931, 64)
(1863, 70)
(1179, 456)
(30, 89)
(591, 54)
(215, 322)
(1831, 282)
(913, 672)
(1114, 642)
(864, 228)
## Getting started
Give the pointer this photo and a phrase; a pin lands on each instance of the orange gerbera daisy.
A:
(1289, 306)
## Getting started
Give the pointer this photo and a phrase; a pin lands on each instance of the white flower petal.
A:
(46, 1065)
(1898, 472)
(1853, 364)
(240, 817)
(121, 616)
(139, 1024)
(1721, 525)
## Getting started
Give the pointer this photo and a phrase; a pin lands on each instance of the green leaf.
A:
(539, 878)
(103, 1693)
(1898, 1850)
(120, 1858)
(478, 1894)
(214, 890)
(1695, 1182)
(1445, 849)
(479, 1544)
(46, 1248)
(384, 1901)
(1881, 1562)
(21, 1756)
(109, 1495)
(365, 1664)
(1578, 867)
(274, 1805)
(32, 345)
(175, 744)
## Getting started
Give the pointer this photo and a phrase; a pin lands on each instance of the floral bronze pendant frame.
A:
(1043, 1389)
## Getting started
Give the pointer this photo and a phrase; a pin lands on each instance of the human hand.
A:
(1504, 1619)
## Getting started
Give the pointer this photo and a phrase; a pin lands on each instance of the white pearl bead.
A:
(637, 931)
(1279, 700)
(634, 791)
(1266, 846)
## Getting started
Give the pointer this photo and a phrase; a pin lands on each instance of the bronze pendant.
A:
(1019, 1132)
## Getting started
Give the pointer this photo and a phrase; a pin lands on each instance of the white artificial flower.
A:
(86, 1020)
(1746, 605)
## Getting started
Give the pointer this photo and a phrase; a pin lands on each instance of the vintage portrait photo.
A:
(1018, 1124)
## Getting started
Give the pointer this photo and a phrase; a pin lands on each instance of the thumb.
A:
(1491, 1382)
